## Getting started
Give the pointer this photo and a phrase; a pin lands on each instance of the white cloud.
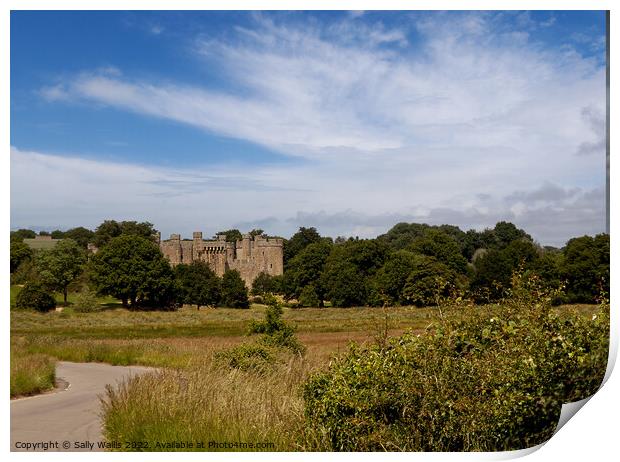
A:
(477, 111)
(78, 192)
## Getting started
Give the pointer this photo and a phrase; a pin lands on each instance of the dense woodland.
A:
(411, 264)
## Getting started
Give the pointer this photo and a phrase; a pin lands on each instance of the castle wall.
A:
(250, 256)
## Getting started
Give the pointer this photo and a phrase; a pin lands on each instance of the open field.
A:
(197, 397)
(186, 337)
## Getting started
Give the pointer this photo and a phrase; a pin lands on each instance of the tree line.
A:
(411, 264)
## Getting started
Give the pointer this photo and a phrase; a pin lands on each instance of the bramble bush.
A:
(482, 379)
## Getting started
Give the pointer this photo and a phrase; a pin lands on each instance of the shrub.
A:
(276, 332)
(246, 357)
(258, 299)
(485, 380)
(33, 296)
(308, 297)
(86, 301)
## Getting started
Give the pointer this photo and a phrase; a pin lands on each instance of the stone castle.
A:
(250, 255)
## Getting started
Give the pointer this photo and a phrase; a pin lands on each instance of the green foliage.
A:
(198, 284)
(247, 356)
(306, 268)
(481, 380)
(20, 253)
(86, 301)
(392, 277)
(265, 283)
(443, 247)
(585, 267)
(299, 241)
(61, 265)
(506, 232)
(234, 291)
(402, 235)
(33, 296)
(133, 269)
(232, 235)
(344, 284)
(308, 297)
(22, 234)
(276, 332)
(110, 229)
(349, 269)
(80, 235)
(428, 283)
(256, 232)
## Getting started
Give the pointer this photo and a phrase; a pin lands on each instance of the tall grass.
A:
(31, 373)
(210, 404)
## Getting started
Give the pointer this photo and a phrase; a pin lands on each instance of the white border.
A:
(589, 436)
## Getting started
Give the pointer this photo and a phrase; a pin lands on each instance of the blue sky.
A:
(347, 121)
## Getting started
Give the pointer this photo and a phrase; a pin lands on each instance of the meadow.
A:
(193, 397)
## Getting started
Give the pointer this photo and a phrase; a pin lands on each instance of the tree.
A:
(299, 241)
(308, 297)
(443, 247)
(493, 272)
(232, 235)
(110, 229)
(20, 252)
(133, 269)
(306, 269)
(586, 267)
(198, 284)
(402, 235)
(344, 283)
(428, 281)
(59, 266)
(265, 283)
(392, 277)
(58, 234)
(22, 234)
(256, 232)
(234, 291)
(33, 296)
(506, 232)
(80, 235)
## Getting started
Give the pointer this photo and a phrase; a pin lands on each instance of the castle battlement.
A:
(249, 255)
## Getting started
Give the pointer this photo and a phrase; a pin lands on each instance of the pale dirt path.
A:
(70, 415)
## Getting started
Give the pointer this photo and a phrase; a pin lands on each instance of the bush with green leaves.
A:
(34, 297)
(276, 332)
(483, 379)
(308, 297)
(86, 301)
(246, 357)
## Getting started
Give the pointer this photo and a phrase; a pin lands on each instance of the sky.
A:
(348, 121)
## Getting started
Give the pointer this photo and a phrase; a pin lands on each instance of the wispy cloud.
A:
(459, 118)
(274, 198)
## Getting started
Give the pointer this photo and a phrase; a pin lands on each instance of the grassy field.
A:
(194, 397)
(188, 337)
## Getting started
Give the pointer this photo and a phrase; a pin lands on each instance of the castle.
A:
(250, 256)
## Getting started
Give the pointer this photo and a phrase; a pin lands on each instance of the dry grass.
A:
(207, 404)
